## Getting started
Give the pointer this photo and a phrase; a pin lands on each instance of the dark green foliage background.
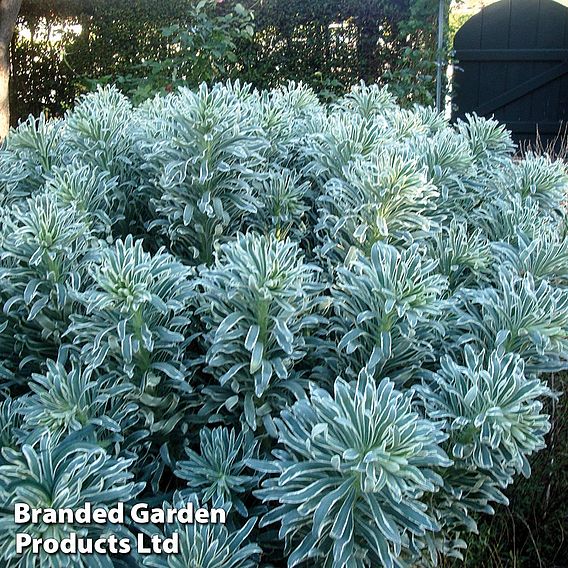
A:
(390, 41)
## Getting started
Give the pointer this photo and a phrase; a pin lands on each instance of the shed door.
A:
(514, 56)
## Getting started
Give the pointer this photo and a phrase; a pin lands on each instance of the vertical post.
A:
(439, 60)
(9, 10)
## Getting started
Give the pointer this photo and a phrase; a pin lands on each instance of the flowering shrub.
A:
(333, 321)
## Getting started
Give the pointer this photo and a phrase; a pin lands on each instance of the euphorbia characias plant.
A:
(333, 321)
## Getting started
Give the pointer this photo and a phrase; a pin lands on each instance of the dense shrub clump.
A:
(333, 321)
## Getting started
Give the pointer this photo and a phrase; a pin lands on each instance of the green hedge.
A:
(332, 45)
(328, 44)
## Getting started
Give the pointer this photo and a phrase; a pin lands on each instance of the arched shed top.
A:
(516, 24)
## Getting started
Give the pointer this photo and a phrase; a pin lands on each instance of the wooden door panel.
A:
(514, 57)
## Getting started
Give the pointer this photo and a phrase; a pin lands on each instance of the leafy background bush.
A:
(146, 47)
(337, 321)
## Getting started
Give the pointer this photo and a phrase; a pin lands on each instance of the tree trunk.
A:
(9, 10)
